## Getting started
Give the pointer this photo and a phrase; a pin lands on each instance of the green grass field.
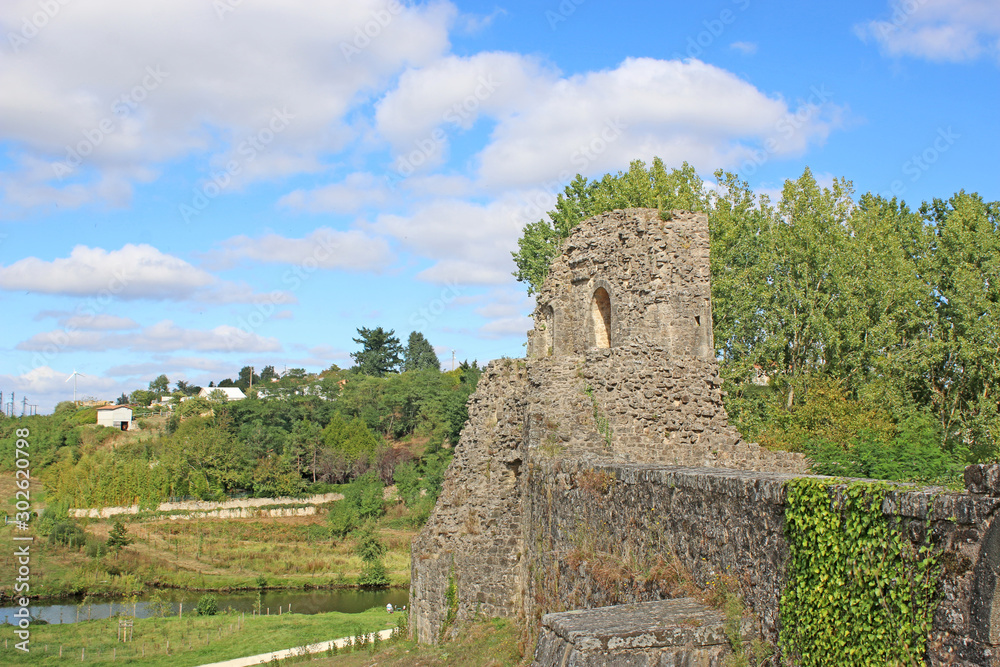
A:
(186, 641)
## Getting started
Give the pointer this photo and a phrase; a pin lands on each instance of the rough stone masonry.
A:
(607, 452)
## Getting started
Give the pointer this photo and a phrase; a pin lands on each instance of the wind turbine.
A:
(73, 378)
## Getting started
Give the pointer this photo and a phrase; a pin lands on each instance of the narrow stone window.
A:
(600, 314)
(548, 332)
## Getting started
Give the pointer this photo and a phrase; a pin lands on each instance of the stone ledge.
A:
(668, 632)
(983, 479)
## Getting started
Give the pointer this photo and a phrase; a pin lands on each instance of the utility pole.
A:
(24, 405)
(453, 360)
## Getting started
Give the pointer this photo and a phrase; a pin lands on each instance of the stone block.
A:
(663, 633)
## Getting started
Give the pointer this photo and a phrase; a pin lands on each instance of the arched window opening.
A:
(600, 314)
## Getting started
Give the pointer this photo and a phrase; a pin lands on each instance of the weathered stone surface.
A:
(566, 490)
(983, 479)
(672, 632)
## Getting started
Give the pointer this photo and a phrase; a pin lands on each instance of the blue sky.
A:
(191, 186)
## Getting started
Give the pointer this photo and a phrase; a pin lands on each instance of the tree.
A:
(640, 186)
(217, 396)
(160, 385)
(267, 374)
(142, 397)
(419, 354)
(118, 537)
(247, 378)
(379, 354)
(122, 400)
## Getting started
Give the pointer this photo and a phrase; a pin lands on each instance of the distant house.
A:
(115, 416)
(232, 393)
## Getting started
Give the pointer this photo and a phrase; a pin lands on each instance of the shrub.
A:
(208, 605)
(69, 534)
(343, 520)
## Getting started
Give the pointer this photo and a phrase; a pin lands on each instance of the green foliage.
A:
(640, 186)
(118, 537)
(160, 385)
(343, 520)
(451, 602)
(858, 592)
(370, 547)
(350, 438)
(208, 605)
(274, 476)
(365, 495)
(380, 352)
(69, 534)
(419, 354)
(898, 307)
(371, 550)
(159, 607)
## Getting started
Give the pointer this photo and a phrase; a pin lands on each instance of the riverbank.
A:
(294, 553)
(190, 640)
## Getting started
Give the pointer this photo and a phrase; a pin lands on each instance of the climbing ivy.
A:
(858, 591)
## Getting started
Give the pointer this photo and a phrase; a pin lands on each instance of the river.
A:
(351, 601)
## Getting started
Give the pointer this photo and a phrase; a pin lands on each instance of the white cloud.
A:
(937, 30)
(158, 80)
(469, 242)
(746, 48)
(600, 121)
(507, 311)
(100, 322)
(325, 248)
(164, 336)
(454, 91)
(133, 272)
(356, 191)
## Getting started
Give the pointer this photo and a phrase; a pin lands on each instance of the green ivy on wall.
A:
(858, 592)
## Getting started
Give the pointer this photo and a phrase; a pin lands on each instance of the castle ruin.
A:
(610, 443)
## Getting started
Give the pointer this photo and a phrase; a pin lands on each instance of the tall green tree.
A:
(160, 385)
(380, 352)
(419, 354)
(247, 378)
(640, 186)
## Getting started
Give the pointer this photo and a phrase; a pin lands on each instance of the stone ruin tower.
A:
(620, 368)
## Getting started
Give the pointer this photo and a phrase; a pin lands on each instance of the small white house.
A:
(115, 416)
(232, 393)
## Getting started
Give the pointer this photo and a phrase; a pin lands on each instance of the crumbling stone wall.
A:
(586, 517)
(621, 369)
(628, 276)
(472, 540)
